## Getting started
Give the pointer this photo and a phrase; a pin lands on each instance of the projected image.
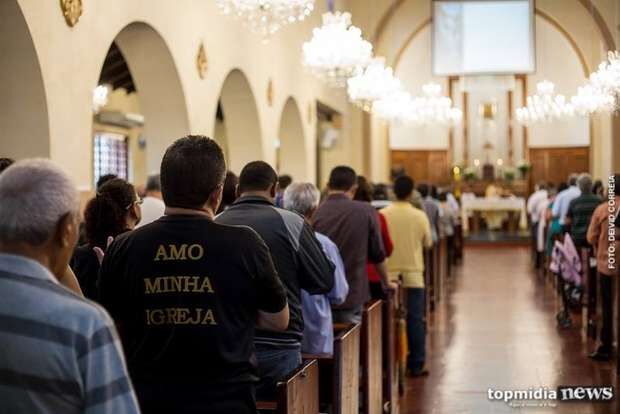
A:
(475, 37)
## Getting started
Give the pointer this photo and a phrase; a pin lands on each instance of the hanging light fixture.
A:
(590, 100)
(372, 84)
(337, 50)
(266, 17)
(607, 77)
(394, 107)
(544, 106)
(433, 108)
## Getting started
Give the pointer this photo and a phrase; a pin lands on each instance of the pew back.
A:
(298, 393)
(346, 370)
(372, 353)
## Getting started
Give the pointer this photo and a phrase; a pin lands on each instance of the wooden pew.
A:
(339, 373)
(590, 290)
(298, 393)
(429, 280)
(390, 353)
(458, 243)
(372, 357)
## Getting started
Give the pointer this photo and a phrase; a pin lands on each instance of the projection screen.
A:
(473, 37)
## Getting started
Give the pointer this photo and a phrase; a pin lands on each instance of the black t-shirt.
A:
(185, 292)
(85, 265)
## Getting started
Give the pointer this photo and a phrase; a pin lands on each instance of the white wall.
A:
(71, 59)
(557, 61)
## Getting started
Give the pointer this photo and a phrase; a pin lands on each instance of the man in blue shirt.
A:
(318, 338)
(60, 352)
(563, 199)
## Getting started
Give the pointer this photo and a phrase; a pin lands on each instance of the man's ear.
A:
(353, 190)
(237, 191)
(275, 187)
(215, 198)
(67, 230)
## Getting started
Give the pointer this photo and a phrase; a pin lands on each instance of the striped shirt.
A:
(580, 212)
(59, 353)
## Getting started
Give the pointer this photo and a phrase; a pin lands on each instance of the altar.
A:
(471, 206)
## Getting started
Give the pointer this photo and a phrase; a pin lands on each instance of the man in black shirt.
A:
(298, 258)
(187, 293)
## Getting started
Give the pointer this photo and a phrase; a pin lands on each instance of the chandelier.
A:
(394, 107)
(607, 76)
(266, 17)
(372, 84)
(544, 106)
(337, 50)
(431, 108)
(590, 100)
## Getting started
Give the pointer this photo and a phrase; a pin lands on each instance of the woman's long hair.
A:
(106, 213)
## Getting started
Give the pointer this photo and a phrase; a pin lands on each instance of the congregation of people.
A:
(569, 222)
(200, 291)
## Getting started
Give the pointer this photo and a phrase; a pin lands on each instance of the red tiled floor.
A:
(497, 329)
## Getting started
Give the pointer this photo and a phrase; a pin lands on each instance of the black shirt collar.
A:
(253, 199)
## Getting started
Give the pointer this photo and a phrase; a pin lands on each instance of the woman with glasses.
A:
(114, 210)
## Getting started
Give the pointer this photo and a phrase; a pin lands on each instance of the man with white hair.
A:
(318, 337)
(563, 199)
(60, 352)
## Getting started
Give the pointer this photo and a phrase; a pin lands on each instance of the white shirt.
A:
(152, 209)
(562, 200)
(533, 202)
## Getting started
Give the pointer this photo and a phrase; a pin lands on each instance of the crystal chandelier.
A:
(544, 106)
(394, 107)
(266, 17)
(337, 50)
(374, 83)
(433, 108)
(590, 100)
(607, 76)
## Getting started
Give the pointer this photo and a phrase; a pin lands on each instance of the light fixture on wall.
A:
(266, 17)
(337, 50)
(544, 106)
(100, 97)
(372, 84)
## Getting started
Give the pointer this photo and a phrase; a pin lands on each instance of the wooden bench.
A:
(391, 331)
(298, 393)
(429, 297)
(590, 292)
(372, 357)
(339, 374)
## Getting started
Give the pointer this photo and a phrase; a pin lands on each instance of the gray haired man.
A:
(60, 352)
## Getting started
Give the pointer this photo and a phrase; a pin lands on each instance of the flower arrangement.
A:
(509, 174)
(523, 166)
(470, 173)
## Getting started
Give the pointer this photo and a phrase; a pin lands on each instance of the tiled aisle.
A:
(497, 330)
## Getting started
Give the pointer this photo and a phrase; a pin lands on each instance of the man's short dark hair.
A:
(424, 190)
(5, 163)
(403, 187)
(104, 179)
(284, 181)
(342, 178)
(192, 168)
(257, 176)
(572, 179)
(153, 183)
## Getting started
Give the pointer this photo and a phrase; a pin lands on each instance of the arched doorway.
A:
(146, 108)
(23, 119)
(291, 157)
(237, 125)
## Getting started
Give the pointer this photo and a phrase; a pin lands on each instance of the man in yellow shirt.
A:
(410, 230)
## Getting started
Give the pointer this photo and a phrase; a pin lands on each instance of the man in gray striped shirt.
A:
(59, 352)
